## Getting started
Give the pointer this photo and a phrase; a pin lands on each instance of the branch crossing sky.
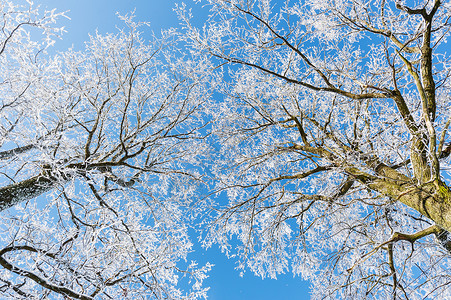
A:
(87, 16)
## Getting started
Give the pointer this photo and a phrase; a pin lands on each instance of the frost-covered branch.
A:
(329, 140)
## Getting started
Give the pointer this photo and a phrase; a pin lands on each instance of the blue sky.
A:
(86, 16)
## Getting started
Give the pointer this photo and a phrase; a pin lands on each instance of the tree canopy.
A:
(315, 135)
(109, 137)
(333, 130)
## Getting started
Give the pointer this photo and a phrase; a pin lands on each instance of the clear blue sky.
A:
(89, 15)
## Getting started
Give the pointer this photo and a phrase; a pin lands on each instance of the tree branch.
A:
(39, 280)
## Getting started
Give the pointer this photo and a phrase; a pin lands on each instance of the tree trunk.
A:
(13, 194)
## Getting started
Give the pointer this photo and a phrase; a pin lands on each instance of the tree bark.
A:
(431, 199)
(13, 194)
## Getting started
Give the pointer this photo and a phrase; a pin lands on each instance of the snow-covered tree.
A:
(98, 157)
(334, 145)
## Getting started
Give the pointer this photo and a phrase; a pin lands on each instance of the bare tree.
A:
(334, 142)
(99, 155)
